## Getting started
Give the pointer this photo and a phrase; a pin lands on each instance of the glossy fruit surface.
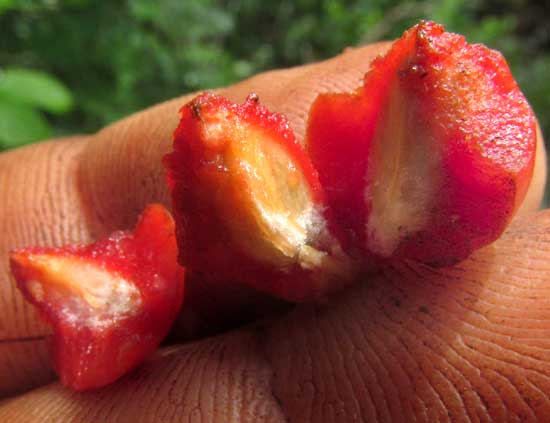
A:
(110, 303)
(248, 202)
(431, 157)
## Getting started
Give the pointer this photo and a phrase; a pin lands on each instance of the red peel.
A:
(248, 202)
(431, 157)
(110, 303)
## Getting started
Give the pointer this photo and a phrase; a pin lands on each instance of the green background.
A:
(71, 66)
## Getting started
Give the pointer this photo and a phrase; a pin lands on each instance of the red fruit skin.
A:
(484, 131)
(88, 356)
(195, 176)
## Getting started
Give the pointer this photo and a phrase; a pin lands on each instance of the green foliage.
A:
(121, 56)
(20, 125)
(34, 89)
(22, 92)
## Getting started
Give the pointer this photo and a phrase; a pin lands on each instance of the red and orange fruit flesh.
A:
(110, 303)
(430, 158)
(249, 202)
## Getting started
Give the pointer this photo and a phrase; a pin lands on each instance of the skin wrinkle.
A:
(494, 330)
(506, 387)
(475, 353)
(318, 394)
(325, 363)
(418, 365)
(300, 345)
(498, 314)
(458, 340)
(173, 396)
(524, 271)
(212, 399)
(259, 337)
(487, 405)
(381, 366)
(388, 317)
(342, 340)
(474, 349)
(510, 363)
(196, 376)
(468, 383)
(414, 317)
(437, 393)
(380, 407)
(453, 367)
(515, 387)
(389, 353)
(364, 387)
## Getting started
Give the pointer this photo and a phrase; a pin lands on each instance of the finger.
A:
(39, 206)
(467, 343)
(64, 192)
(535, 195)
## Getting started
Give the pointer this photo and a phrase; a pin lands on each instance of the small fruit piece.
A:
(431, 157)
(247, 201)
(110, 303)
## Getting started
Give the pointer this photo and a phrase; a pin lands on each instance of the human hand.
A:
(457, 343)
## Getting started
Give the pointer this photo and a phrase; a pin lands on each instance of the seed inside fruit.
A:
(272, 214)
(280, 202)
(248, 202)
(430, 158)
(403, 175)
(86, 291)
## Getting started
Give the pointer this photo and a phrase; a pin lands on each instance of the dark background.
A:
(70, 66)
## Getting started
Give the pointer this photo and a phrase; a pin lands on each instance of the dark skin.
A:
(464, 343)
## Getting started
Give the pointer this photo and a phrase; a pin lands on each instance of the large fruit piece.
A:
(431, 157)
(110, 303)
(248, 203)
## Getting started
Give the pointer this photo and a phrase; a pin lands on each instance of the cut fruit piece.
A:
(431, 157)
(248, 203)
(110, 303)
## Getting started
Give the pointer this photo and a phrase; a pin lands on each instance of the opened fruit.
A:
(431, 157)
(249, 202)
(110, 303)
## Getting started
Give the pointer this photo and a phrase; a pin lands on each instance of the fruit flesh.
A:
(110, 303)
(270, 201)
(430, 158)
(97, 296)
(249, 201)
(403, 178)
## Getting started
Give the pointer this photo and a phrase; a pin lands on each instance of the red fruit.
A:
(431, 157)
(248, 203)
(110, 303)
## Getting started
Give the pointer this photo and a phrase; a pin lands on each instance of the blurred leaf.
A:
(5, 5)
(533, 80)
(19, 125)
(35, 89)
